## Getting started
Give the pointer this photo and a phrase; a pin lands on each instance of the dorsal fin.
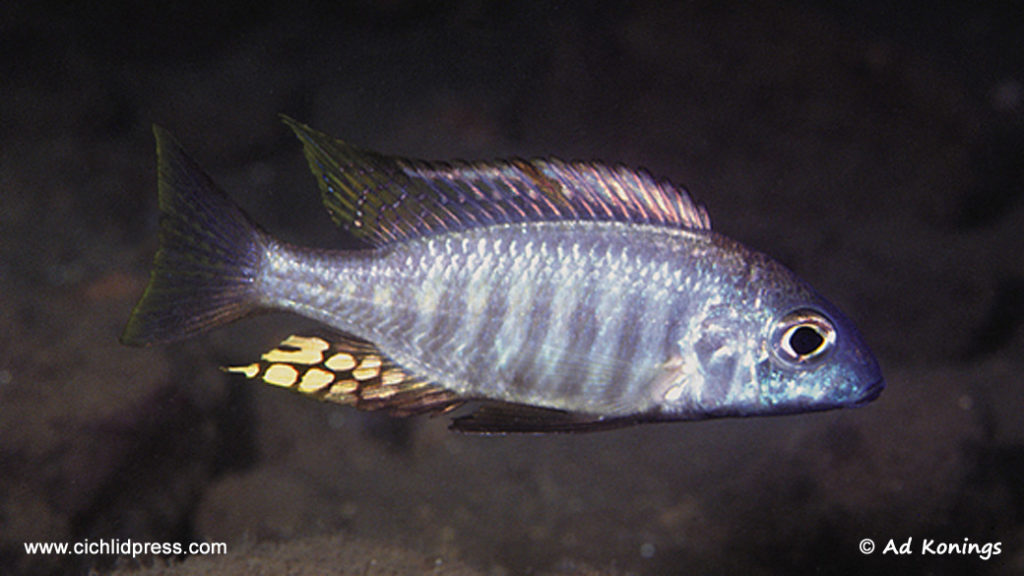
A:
(346, 370)
(383, 199)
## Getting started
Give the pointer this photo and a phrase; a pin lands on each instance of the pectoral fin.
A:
(506, 418)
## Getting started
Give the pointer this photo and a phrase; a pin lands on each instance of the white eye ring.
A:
(802, 337)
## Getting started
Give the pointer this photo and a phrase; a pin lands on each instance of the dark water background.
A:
(878, 150)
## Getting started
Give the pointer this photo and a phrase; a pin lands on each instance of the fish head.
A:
(813, 358)
(770, 345)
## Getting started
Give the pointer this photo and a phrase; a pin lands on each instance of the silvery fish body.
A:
(563, 296)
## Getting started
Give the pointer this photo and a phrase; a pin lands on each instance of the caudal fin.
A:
(210, 252)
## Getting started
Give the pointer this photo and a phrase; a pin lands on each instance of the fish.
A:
(515, 295)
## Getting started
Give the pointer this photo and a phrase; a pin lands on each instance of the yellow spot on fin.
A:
(298, 350)
(340, 362)
(281, 375)
(314, 380)
(249, 371)
(368, 368)
(346, 370)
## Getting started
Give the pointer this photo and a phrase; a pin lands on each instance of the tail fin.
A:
(209, 255)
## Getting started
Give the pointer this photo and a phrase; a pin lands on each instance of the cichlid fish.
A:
(560, 296)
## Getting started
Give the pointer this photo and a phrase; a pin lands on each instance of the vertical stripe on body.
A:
(483, 363)
(606, 363)
(533, 358)
(551, 365)
(520, 302)
(653, 312)
(632, 311)
(399, 320)
(443, 311)
(483, 278)
(578, 312)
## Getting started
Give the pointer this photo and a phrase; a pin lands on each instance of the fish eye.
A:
(802, 336)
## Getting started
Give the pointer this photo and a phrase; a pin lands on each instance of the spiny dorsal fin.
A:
(383, 199)
(345, 370)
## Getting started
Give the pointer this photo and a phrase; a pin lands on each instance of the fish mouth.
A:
(871, 392)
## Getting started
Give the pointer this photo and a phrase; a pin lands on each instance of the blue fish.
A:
(552, 296)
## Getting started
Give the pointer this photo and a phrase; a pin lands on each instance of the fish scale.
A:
(534, 358)
(564, 296)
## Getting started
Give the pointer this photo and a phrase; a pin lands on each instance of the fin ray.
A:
(382, 199)
(507, 418)
(209, 254)
(346, 370)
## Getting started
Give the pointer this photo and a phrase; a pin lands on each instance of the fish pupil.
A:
(806, 340)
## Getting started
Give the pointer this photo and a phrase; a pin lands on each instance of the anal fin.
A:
(346, 370)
